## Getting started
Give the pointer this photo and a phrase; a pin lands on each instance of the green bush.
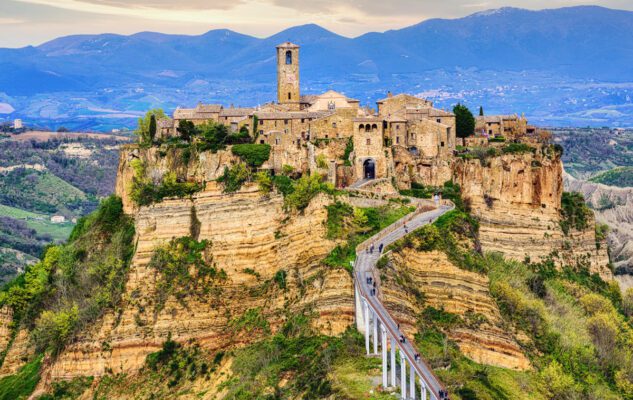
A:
(517, 148)
(234, 178)
(53, 329)
(349, 148)
(264, 181)
(21, 385)
(68, 390)
(574, 212)
(283, 184)
(305, 189)
(497, 139)
(176, 262)
(254, 155)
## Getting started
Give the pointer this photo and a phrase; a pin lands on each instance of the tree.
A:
(142, 130)
(186, 129)
(464, 120)
(481, 111)
(152, 128)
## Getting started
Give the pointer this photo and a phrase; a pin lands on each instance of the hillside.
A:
(235, 284)
(505, 59)
(40, 179)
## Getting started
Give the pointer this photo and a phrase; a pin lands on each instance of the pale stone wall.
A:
(398, 103)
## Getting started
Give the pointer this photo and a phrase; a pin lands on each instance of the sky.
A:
(32, 22)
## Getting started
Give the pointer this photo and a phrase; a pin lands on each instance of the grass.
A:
(356, 377)
(22, 384)
(620, 176)
(39, 222)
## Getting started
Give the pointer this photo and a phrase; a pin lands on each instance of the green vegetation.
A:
(233, 178)
(464, 120)
(74, 283)
(304, 190)
(621, 177)
(184, 270)
(497, 139)
(41, 192)
(68, 390)
(455, 233)
(574, 212)
(22, 384)
(449, 191)
(349, 148)
(145, 131)
(145, 192)
(355, 225)
(264, 182)
(517, 148)
(254, 155)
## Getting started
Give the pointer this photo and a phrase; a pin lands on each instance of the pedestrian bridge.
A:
(382, 334)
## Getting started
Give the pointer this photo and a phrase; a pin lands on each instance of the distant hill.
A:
(589, 42)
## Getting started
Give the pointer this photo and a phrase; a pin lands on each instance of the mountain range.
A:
(578, 44)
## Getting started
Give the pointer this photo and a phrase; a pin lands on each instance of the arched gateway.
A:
(369, 169)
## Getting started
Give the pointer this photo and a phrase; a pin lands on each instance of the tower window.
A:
(288, 57)
(289, 96)
(285, 121)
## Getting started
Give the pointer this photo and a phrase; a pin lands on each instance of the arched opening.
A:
(361, 128)
(369, 169)
(374, 127)
(288, 57)
(414, 151)
(368, 128)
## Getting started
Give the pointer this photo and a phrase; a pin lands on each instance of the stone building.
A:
(300, 128)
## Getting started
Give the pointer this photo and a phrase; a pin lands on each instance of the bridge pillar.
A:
(383, 331)
(394, 383)
(423, 389)
(412, 382)
(366, 308)
(403, 376)
(375, 332)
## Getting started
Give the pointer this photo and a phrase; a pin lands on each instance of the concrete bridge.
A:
(382, 336)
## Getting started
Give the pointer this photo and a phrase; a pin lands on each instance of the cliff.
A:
(483, 337)
(517, 199)
(612, 206)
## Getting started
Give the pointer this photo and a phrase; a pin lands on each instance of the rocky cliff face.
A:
(483, 337)
(612, 206)
(517, 200)
(252, 239)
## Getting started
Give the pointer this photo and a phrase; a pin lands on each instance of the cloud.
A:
(169, 4)
(10, 21)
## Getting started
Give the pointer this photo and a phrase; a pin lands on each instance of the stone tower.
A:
(288, 75)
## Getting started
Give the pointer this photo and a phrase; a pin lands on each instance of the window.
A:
(397, 127)
(368, 142)
(276, 140)
(261, 141)
(261, 132)
(303, 120)
(285, 122)
(333, 124)
(442, 144)
(288, 57)
(397, 139)
(326, 136)
(261, 122)
(439, 120)
(289, 96)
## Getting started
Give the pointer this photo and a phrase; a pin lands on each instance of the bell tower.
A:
(288, 76)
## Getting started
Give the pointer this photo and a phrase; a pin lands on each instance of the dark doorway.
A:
(369, 169)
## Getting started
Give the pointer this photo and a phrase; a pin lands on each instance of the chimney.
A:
(389, 95)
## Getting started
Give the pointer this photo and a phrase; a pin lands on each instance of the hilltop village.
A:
(404, 135)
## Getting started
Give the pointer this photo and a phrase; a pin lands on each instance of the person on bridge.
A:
(380, 248)
(406, 230)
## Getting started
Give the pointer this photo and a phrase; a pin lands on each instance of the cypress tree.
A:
(481, 111)
(152, 128)
(464, 120)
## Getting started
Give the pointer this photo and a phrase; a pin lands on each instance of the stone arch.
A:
(361, 128)
(374, 127)
(369, 169)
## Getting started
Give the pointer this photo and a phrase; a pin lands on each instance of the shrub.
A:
(558, 383)
(349, 148)
(234, 178)
(464, 120)
(574, 212)
(254, 155)
(212, 136)
(264, 181)
(517, 148)
(53, 329)
(143, 130)
(280, 278)
(305, 189)
(22, 384)
(283, 184)
(321, 161)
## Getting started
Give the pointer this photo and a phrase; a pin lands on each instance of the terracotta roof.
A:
(293, 115)
(236, 112)
(208, 108)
